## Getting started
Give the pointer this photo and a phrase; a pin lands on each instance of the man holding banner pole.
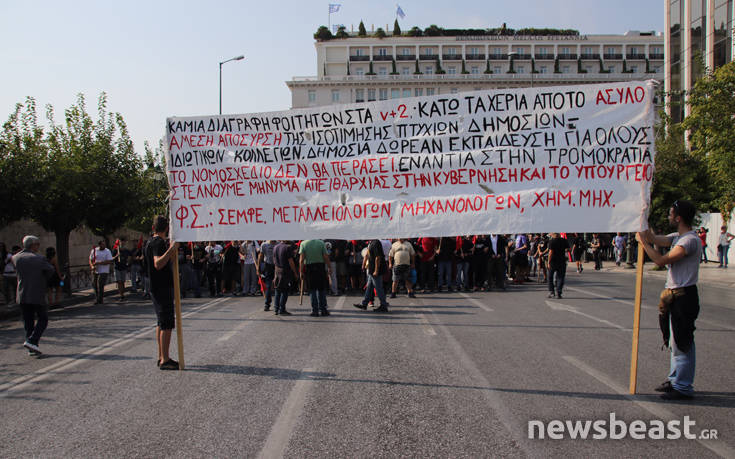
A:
(159, 256)
(679, 306)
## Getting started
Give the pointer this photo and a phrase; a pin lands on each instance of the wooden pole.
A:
(301, 296)
(636, 319)
(177, 306)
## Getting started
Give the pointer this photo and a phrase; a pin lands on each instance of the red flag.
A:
(228, 245)
(191, 246)
(262, 285)
(140, 243)
(116, 245)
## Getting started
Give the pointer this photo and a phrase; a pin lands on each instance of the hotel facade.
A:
(367, 68)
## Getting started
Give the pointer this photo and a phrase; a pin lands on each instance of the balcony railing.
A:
(428, 57)
(568, 56)
(475, 57)
(537, 77)
(497, 57)
(545, 57)
(452, 57)
(635, 56)
(522, 56)
(384, 57)
(359, 58)
(588, 56)
(612, 56)
(406, 57)
(655, 56)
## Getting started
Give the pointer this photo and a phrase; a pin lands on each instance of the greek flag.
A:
(334, 7)
(399, 11)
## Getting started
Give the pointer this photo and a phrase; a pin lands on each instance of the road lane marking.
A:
(650, 308)
(564, 307)
(243, 324)
(43, 373)
(280, 434)
(477, 303)
(656, 409)
(340, 303)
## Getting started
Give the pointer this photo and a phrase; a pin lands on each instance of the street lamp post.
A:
(238, 58)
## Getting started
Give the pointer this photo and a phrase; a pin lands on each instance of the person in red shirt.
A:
(427, 253)
(702, 233)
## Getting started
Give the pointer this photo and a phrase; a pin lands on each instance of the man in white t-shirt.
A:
(401, 259)
(679, 305)
(100, 260)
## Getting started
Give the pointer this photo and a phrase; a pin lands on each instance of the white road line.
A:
(280, 434)
(477, 303)
(565, 307)
(656, 409)
(428, 329)
(630, 303)
(43, 373)
(340, 303)
(245, 322)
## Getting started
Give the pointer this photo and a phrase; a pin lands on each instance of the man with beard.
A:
(679, 305)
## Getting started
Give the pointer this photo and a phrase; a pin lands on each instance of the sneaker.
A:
(314, 314)
(267, 308)
(558, 295)
(34, 353)
(325, 313)
(382, 308)
(32, 347)
(552, 295)
(360, 306)
(411, 295)
(276, 312)
(393, 294)
(285, 313)
(664, 387)
(169, 364)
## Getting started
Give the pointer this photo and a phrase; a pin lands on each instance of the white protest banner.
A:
(566, 158)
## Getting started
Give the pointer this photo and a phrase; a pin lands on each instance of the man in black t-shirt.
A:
(558, 248)
(158, 256)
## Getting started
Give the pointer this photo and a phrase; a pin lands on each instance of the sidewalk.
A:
(12, 312)
(709, 273)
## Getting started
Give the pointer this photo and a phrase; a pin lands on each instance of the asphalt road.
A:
(450, 375)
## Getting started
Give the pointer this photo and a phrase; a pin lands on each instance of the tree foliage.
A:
(711, 124)
(679, 174)
(323, 33)
(396, 29)
(380, 33)
(342, 32)
(361, 32)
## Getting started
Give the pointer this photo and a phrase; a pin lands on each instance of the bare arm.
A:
(160, 262)
(674, 255)
(658, 240)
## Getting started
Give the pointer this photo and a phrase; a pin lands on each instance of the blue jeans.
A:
(318, 300)
(682, 367)
(556, 278)
(445, 274)
(374, 282)
(281, 298)
(722, 254)
(463, 271)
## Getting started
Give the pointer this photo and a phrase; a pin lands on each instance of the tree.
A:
(396, 29)
(487, 67)
(417, 71)
(323, 33)
(380, 33)
(415, 32)
(433, 31)
(341, 32)
(154, 185)
(678, 174)
(439, 70)
(394, 70)
(361, 32)
(464, 69)
(556, 65)
(712, 132)
(21, 146)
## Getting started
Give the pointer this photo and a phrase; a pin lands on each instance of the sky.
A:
(156, 59)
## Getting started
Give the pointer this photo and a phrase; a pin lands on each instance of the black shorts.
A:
(163, 304)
